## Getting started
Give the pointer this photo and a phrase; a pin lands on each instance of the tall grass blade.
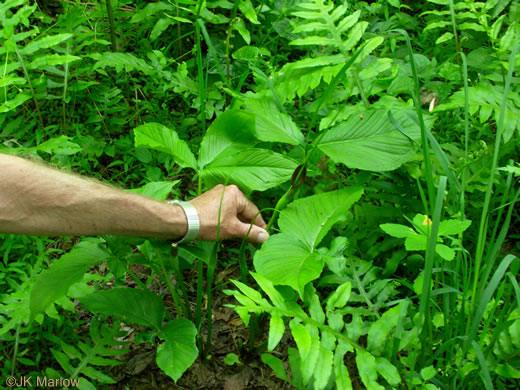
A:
(481, 240)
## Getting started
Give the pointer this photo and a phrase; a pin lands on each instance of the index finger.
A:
(247, 212)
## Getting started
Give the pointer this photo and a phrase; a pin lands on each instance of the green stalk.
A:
(202, 86)
(15, 351)
(481, 240)
(176, 299)
(65, 83)
(112, 25)
(280, 205)
(26, 73)
(424, 302)
(424, 139)
(213, 51)
(180, 280)
(136, 279)
(200, 293)
(212, 264)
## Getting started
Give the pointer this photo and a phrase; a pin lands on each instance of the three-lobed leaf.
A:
(371, 141)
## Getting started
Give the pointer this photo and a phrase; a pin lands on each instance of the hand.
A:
(236, 215)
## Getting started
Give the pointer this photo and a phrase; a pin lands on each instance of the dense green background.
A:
(123, 91)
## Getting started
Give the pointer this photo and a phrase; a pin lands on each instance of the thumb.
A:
(256, 235)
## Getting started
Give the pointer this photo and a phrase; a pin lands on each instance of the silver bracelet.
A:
(193, 220)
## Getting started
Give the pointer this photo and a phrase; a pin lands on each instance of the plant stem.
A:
(22, 62)
(487, 200)
(176, 299)
(111, 24)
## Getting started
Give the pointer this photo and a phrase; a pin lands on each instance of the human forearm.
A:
(38, 200)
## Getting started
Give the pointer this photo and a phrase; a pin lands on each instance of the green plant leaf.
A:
(44, 43)
(453, 226)
(139, 306)
(156, 189)
(416, 243)
(309, 219)
(285, 260)
(372, 143)
(343, 381)
(54, 282)
(156, 136)
(252, 169)
(232, 132)
(276, 331)
(323, 368)
(397, 230)
(388, 371)
(276, 365)
(340, 296)
(179, 351)
(367, 367)
(271, 124)
(445, 252)
(379, 330)
(52, 60)
(302, 338)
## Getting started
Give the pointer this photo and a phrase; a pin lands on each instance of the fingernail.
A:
(263, 236)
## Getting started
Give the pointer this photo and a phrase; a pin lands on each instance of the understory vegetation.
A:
(379, 139)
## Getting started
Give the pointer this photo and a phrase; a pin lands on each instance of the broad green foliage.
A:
(69, 269)
(417, 239)
(359, 144)
(303, 224)
(179, 351)
(371, 141)
(78, 362)
(226, 152)
(139, 306)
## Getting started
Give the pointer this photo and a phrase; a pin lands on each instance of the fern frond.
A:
(327, 24)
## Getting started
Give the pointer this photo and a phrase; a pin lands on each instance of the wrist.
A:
(192, 221)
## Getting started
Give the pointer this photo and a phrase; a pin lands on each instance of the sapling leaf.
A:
(252, 169)
(285, 260)
(302, 338)
(232, 132)
(372, 143)
(309, 219)
(310, 362)
(159, 137)
(271, 124)
(179, 351)
(139, 306)
(267, 286)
